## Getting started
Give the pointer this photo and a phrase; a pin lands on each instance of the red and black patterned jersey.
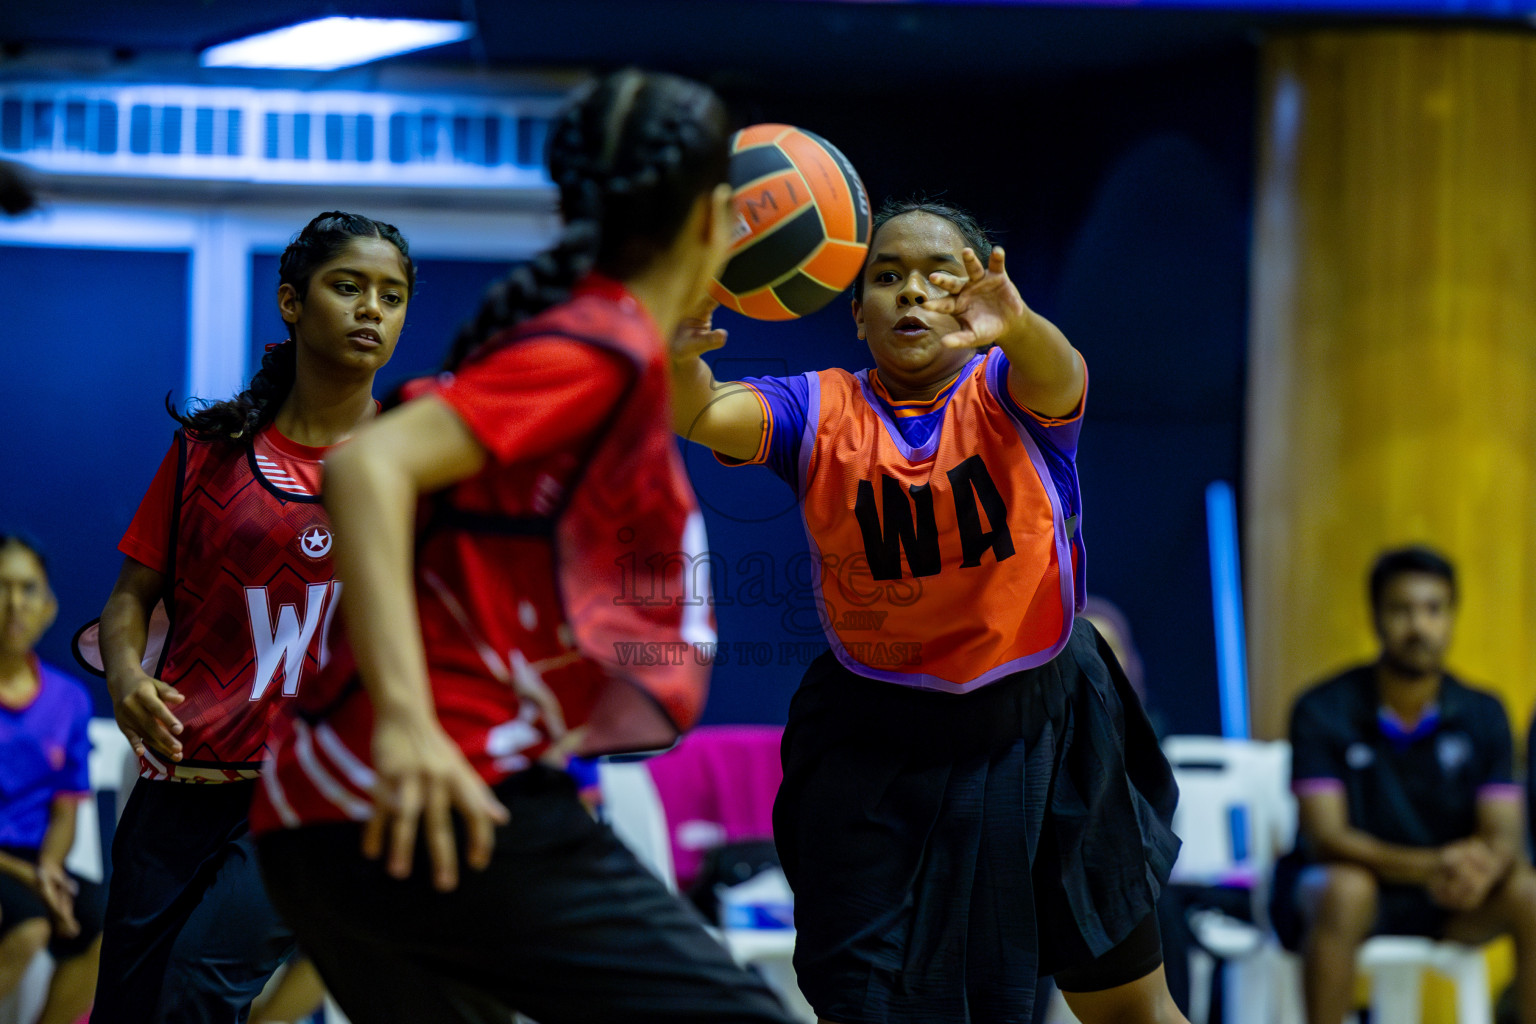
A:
(559, 592)
(239, 532)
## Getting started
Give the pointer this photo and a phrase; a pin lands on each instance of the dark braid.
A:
(630, 156)
(964, 221)
(322, 240)
(17, 193)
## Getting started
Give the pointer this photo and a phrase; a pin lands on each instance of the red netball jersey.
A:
(239, 532)
(555, 588)
(945, 565)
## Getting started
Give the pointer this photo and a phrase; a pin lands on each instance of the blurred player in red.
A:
(232, 538)
(490, 532)
(972, 794)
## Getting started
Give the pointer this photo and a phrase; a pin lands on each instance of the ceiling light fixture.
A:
(325, 44)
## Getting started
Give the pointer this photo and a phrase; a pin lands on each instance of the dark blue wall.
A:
(95, 338)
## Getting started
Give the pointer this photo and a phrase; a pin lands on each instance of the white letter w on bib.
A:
(284, 643)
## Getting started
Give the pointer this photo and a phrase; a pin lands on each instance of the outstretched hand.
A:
(984, 301)
(422, 780)
(697, 334)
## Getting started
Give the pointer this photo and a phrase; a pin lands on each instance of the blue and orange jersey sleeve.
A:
(148, 538)
(1057, 441)
(786, 404)
(1060, 434)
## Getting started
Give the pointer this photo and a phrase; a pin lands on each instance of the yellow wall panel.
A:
(1393, 360)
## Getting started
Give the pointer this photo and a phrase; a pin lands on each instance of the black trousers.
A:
(945, 850)
(190, 936)
(565, 926)
(18, 903)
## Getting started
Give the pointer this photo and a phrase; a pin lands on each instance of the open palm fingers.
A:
(437, 817)
(399, 805)
(482, 813)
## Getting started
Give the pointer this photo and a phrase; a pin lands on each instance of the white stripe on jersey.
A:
(303, 747)
(357, 773)
(152, 769)
(275, 792)
(280, 479)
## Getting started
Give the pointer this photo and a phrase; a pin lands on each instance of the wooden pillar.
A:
(1392, 375)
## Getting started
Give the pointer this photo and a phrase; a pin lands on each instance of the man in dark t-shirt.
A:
(1410, 823)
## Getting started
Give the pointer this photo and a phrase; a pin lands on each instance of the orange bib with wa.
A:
(943, 567)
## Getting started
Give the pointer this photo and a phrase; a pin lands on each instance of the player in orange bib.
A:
(232, 537)
(972, 795)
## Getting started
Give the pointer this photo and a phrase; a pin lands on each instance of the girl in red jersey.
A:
(486, 530)
(972, 795)
(232, 538)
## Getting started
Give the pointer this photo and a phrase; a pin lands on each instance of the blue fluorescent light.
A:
(1227, 603)
(325, 44)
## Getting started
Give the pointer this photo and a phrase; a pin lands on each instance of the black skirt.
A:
(946, 850)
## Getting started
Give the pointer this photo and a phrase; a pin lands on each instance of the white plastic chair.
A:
(1232, 828)
(1265, 985)
(633, 809)
(1396, 966)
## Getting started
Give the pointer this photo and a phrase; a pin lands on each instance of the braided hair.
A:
(630, 156)
(964, 221)
(17, 192)
(322, 240)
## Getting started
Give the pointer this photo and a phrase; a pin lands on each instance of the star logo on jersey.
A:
(315, 542)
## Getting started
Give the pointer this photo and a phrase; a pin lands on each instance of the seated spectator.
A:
(44, 747)
(1410, 823)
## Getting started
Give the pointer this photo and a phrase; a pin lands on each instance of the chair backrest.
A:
(632, 809)
(1235, 812)
(112, 768)
(717, 786)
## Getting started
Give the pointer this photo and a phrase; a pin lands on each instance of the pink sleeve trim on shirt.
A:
(763, 444)
(1500, 791)
(1312, 787)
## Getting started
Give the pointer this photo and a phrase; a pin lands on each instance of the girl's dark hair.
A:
(964, 221)
(1402, 561)
(630, 155)
(321, 241)
(27, 542)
